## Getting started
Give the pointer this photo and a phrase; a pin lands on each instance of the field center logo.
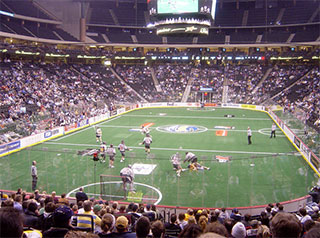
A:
(144, 169)
(182, 129)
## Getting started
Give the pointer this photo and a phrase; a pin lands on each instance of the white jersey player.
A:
(193, 160)
(145, 130)
(111, 152)
(122, 148)
(176, 162)
(103, 150)
(99, 135)
(190, 157)
(127, 176)
(147, 142)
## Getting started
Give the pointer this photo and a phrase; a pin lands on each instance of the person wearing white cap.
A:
(238, 230)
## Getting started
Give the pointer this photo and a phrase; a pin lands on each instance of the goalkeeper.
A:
(127, 176)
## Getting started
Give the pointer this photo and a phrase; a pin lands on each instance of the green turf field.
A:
(269, 170)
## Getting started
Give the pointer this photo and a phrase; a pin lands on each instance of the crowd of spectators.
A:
(41, 96)
(304, 97)
(173, 80)
(280, 77)
(140, 79)
(44, 215)
(240, 79)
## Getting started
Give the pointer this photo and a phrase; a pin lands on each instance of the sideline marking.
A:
(194, 117)
(152, 127)
(178, 149)
(82, 130)
(201, 109)
(142, 184)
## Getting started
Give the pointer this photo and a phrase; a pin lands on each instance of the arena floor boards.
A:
(269, 170)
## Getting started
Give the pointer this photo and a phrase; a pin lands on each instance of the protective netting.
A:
(233, 179)
(296, 122)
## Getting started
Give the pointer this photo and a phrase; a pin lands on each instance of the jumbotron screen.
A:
(177, 6)
(167, 7)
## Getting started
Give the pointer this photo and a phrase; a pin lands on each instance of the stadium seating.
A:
(25, 8)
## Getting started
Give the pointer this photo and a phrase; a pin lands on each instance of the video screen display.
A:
(177, 6)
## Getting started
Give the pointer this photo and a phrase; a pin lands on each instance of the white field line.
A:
(177, 149)
(214, 129)
(194, 117)
(80, 131)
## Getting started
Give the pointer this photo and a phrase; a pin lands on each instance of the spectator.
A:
(61, 220)
(235, 215)
(172, 228)
(229, 223)
(253, 230)
(63, 200)
(263, 232)
(32, 216)
(157, 229)
(81, 195)
(217, 228)
(224, 214)
(314, 232)
(18, 202)
(181, 221)
(203, 221)
(11, 222)
(142, 227)
(285, 225)
(238, 230)
(304, 216)
(54, 197)
(85, 221)
(190, 231)
(46, 219)
(122, 226)
(107, 225)
(149, 213)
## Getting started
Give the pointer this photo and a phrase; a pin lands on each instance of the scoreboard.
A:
(181, 6)
(182, 17)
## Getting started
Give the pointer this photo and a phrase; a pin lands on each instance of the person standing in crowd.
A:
(172, 229)
(122, 148)
(111, 152)
(34, 175)
(273, 130)
(81, 196)
(249, 133)
(99, 135)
